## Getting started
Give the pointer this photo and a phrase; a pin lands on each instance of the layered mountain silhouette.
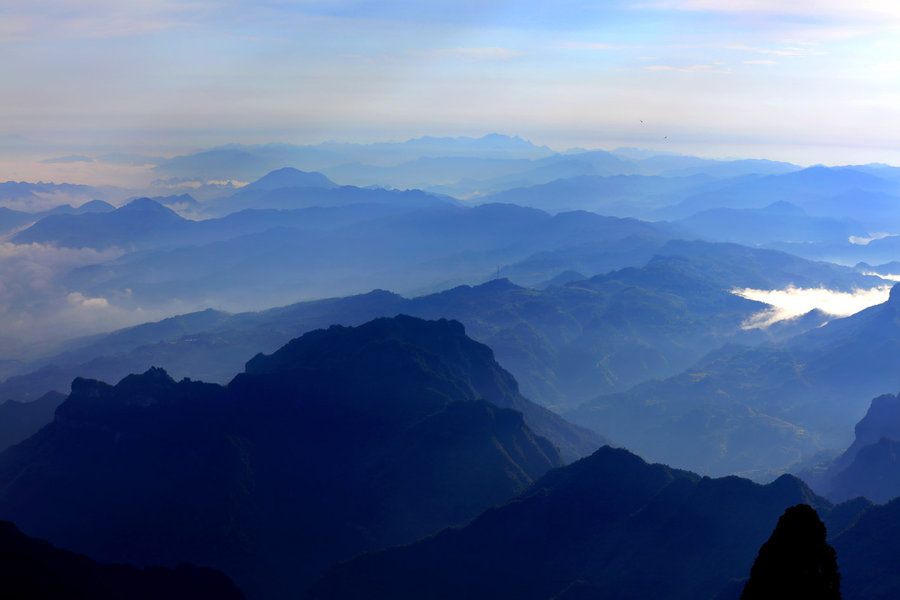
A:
(35, 569)
(608, 526)
(800, 396)
(342, 441)
(19, 420)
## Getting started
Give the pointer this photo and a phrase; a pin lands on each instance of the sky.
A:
(805, 81)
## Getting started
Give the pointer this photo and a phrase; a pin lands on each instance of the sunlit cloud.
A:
(793, 302)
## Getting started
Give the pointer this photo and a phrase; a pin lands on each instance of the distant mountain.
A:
(869, 467)
(778, 222)
(288, 177)
(140, 222)
(344, 440)
(683, 166)
(616, 195)
(14, 219)
(746, 409)
(36, 197)
(35, 569)
(249, 162)
(316, 190)
(20, 420)
(837, 193)
(609, 526)
(380, 242)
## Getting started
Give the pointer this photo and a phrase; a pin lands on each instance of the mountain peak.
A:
(145, 204)
(796, 562)
(289, 177)
(894, 298)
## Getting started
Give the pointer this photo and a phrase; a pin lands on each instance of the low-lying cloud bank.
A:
(793, 302)
(35, 307)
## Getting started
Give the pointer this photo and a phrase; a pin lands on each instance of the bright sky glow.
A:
(793, 302)
(802, 81)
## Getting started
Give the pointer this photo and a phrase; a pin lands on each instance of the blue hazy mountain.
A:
(140, 222)
(869, 467)
(14, 219)
(780, 222)
(21, 191)
(249, 162)
(471, 177)
(35, 569)
(608, 526)
(565, 344)
(149, 223)
(683, 166)
(839, 193)
(289, 177)
(411, 249)
(749, 409)
(296, 197)
(343, 440)
(617, 195)
(19, 420)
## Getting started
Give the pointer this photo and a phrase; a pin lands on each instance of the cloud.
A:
(35, 304)
(760, 62)
(77, 299)
(793, 302)
(864, 241)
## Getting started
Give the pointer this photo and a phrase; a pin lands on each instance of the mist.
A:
(35, 307)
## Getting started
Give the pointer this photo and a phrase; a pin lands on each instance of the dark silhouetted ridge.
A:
(796, 563)
(34, 569)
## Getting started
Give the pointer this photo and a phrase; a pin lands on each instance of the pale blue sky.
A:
(802, 81)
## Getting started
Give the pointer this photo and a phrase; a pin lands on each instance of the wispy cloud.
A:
(760, 62)
(864, 241)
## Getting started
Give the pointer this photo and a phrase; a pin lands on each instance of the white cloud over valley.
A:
(793, 302)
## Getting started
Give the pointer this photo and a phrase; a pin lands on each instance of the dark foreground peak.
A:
(796, 563)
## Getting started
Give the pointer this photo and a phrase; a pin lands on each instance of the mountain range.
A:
(344, 440)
